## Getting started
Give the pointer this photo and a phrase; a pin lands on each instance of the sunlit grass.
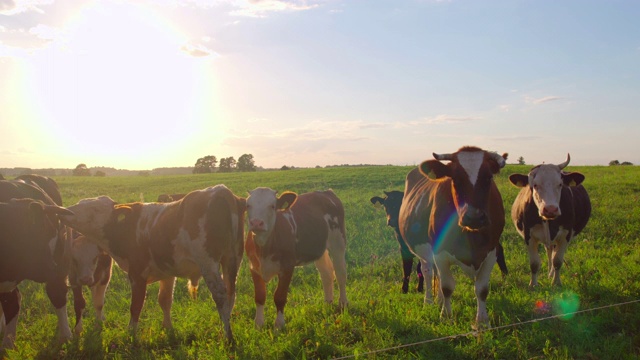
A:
(602, 268)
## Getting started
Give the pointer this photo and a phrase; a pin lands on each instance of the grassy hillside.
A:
(603, 268)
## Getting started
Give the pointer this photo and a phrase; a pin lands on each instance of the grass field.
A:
(602, 270)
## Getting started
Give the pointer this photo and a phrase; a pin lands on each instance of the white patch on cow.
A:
(52, 243)
(546, 183)
(7, 286)
(482, 276)
(292, 222)
(84, 254)
(471, 162)
(269, 268)
(64, 331)
(261, 213)
(425, 253)
(279, 320)
(259, 320)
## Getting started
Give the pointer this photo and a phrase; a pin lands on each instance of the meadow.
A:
(595, 315)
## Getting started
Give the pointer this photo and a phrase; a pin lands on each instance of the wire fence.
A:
(477, 332)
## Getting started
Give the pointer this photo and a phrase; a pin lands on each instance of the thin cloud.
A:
(542, 100)
(443, 119)
(198, 51)
(260, 8)
(13, 7)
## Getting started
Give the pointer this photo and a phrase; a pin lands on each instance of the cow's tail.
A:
(500, 259)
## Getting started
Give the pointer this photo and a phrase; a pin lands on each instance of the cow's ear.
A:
(434, 169)
(121, 212)
(572, 179)
(519, 180)
(285, 200)
(377, 201)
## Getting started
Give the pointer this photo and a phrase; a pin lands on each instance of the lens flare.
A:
(445, 231)
(566, 305)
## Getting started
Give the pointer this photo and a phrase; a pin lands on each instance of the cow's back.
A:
(221, 214)
(416, 211)
(47, 184)
(316, 215)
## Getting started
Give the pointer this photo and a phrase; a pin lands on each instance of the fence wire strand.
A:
(480, 331)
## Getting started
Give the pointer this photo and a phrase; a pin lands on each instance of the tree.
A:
(614, 162)
(205, 165)
(81, 170)
(246, 163)
(227, 164)
(100, 173)
(521, 161)
(285, 167)
(626, 163)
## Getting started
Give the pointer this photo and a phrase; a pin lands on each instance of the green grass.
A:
(603, 268)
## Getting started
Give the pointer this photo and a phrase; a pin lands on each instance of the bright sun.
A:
(119, 85)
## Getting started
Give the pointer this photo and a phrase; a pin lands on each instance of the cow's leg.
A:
(425, 253)
(280, 296)
(210, 270)
(325, 267)
(420, 288)
(230, 268)
(99, 289)
(337, 250)
(57, 293)
(482, 288)
(79, 304)
(534, 261)
(559, 249)
(260, 296)
(138, 295)
(165, 299)
(11, 310)
(192, 286)
(407, 266)
(447, 284)
(550, 251)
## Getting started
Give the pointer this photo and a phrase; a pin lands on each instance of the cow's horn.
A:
(498, 158)
(564, 164)
(443, 156)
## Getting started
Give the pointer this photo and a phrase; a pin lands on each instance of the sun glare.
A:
(118, 84)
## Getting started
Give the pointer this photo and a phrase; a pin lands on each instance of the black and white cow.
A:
(551, 208)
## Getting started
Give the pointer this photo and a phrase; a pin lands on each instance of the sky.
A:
(147, 84)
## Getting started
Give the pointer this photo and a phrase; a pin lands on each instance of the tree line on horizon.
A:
(207, 164)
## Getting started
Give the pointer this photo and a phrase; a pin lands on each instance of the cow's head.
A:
(33, 222)
(84, 255)
(262, 206)
(471, 170)
(391, 203)
(91, 216)
(546, 182)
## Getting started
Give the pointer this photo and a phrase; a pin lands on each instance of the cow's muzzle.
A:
(473, 219)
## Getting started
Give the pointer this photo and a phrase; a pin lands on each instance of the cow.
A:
(551, 208)
(453, 214)
(86, 257)
(164, 198)
(91, 267)
(292, 230)
(193, 237)
(391, 203)
(28, 236)
(54, 277)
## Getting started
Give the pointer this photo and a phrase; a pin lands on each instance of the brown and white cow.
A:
(453, 214)
(193, 237)
(28, 234)
(91, 267)
(551, 208)
(55, 277)
(292, 230)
